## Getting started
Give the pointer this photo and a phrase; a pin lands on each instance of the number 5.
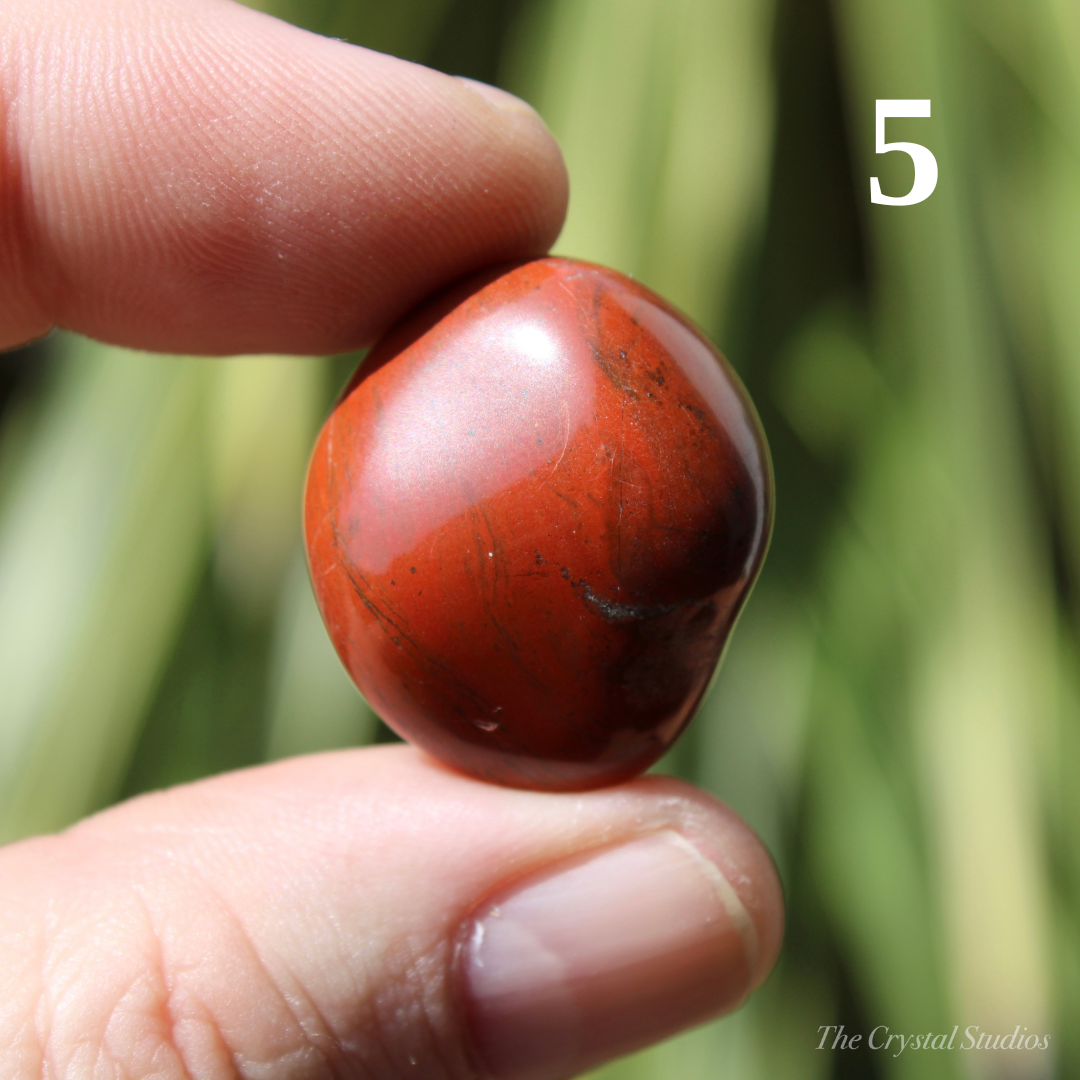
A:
(924, 161)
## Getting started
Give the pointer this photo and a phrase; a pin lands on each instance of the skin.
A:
(196, 177)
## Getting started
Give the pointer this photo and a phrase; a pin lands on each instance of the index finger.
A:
(198, 177)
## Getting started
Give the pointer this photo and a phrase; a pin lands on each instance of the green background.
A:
(899, 712)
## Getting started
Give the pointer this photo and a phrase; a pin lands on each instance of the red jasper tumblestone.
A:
(531, 521)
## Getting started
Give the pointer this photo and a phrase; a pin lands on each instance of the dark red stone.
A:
(531, 521)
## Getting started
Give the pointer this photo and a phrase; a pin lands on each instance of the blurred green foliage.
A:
(899, 714)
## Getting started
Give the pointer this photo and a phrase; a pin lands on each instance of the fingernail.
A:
(604, 955)
(501, 99)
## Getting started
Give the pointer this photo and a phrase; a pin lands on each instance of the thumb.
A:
(370, 913)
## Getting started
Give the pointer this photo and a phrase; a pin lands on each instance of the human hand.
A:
(197, 177)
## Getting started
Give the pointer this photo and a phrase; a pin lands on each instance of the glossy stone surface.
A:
(531, 521)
